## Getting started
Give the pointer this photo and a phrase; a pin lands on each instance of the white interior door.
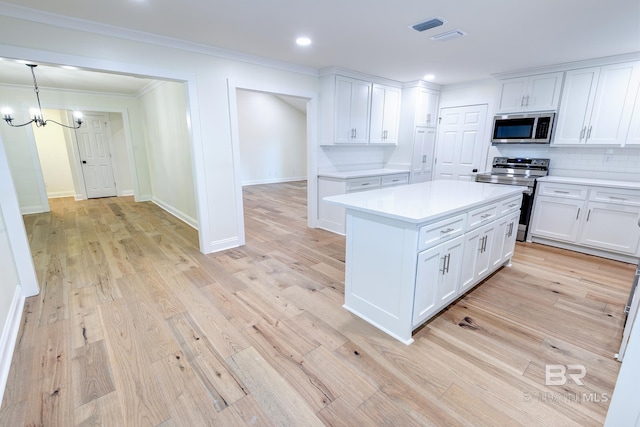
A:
(461, 142)
(95, 156)
(424, 139)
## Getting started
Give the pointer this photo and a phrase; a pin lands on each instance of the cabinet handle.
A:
(485, 216)
(560, 192)
(617, 198)
(588, 215)
(522, 101)
(584, 129)
(448, 258)
(424, 158)
(365, 183)
(578, 214)
(588, 134)
(484, 244)
(510, 229)
(444, 265)
(448, 230)
(526, 104)
(513, 205)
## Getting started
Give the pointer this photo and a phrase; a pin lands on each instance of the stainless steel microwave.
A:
(525, 128)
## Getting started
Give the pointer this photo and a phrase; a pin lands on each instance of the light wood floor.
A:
(133, 326)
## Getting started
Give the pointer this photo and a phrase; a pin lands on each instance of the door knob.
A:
(84, 162)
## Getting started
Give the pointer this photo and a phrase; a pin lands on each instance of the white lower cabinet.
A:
(505, 243)
(557, 218)
(437, 275)
(597, 219)
(612, 227)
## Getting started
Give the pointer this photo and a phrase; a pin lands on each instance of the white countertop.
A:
(590, 181)
(426, 201)
(360, 174)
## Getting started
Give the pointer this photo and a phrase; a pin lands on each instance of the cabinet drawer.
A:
(566, 191)
(441, 231)
(482, 215)
(398, 179)
(615, 195)
(360, 184)
(510, 205)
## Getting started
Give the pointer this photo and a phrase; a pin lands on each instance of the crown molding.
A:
(62, 21)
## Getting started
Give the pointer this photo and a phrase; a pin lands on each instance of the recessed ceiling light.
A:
(303, 41)
(69, 67)
(449, 35)
(429, 77)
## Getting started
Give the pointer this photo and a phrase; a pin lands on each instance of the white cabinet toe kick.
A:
(413, 250)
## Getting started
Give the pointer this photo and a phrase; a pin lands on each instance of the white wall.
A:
(122, 166)
(168, 149)
(273, 139)
(54, 160)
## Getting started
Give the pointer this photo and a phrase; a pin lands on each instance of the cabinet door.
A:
(557, 218)
(612, 226)
(633, 137)
(427, 108)
(476, 261)
(437, 278)
(543, 92)
(511, 93)
(448, 286)
(424, 140)
(385, 113)
(428, 277)
(613, 104)
(511, 232)
(575, 106)
(352, 111)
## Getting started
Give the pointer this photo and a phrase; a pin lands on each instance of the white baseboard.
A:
(221, 245)
(274, 180)
(60, 194)
(9, 336)
(26, 210)
(178, 214)
(125, 193)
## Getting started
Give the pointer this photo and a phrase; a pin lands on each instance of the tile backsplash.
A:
(580, 162)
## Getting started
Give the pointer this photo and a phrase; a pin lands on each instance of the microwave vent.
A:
(449, 35)
(428, 24)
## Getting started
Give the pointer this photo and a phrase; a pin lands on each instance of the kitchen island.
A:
(412, 250)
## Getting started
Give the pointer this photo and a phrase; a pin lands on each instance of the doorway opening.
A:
(284, 160)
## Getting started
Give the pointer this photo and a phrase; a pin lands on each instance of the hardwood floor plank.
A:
(91, 373)
(104, 411)
(139, 394)
(276, 398)
(224, 387)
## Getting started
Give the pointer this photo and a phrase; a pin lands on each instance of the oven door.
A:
(525, 215)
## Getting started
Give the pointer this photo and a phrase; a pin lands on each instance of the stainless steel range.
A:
(518, 171)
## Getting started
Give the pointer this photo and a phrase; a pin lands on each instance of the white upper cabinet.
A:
(352, 110)
(597, 105)
(427, 108)
(633, 137)
(532, 93)
(385, 115)
(355, 111)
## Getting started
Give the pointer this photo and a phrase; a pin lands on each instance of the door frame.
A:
(312, 136)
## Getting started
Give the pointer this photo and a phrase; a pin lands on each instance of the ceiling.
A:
(368, 36)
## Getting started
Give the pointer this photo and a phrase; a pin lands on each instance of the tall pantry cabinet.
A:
(418, 123)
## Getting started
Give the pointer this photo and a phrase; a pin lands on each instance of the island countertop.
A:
(426, 201)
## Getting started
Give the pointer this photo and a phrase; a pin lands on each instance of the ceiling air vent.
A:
(449, 35)
(426, 25)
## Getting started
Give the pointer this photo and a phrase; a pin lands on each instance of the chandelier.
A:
(36, 113)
